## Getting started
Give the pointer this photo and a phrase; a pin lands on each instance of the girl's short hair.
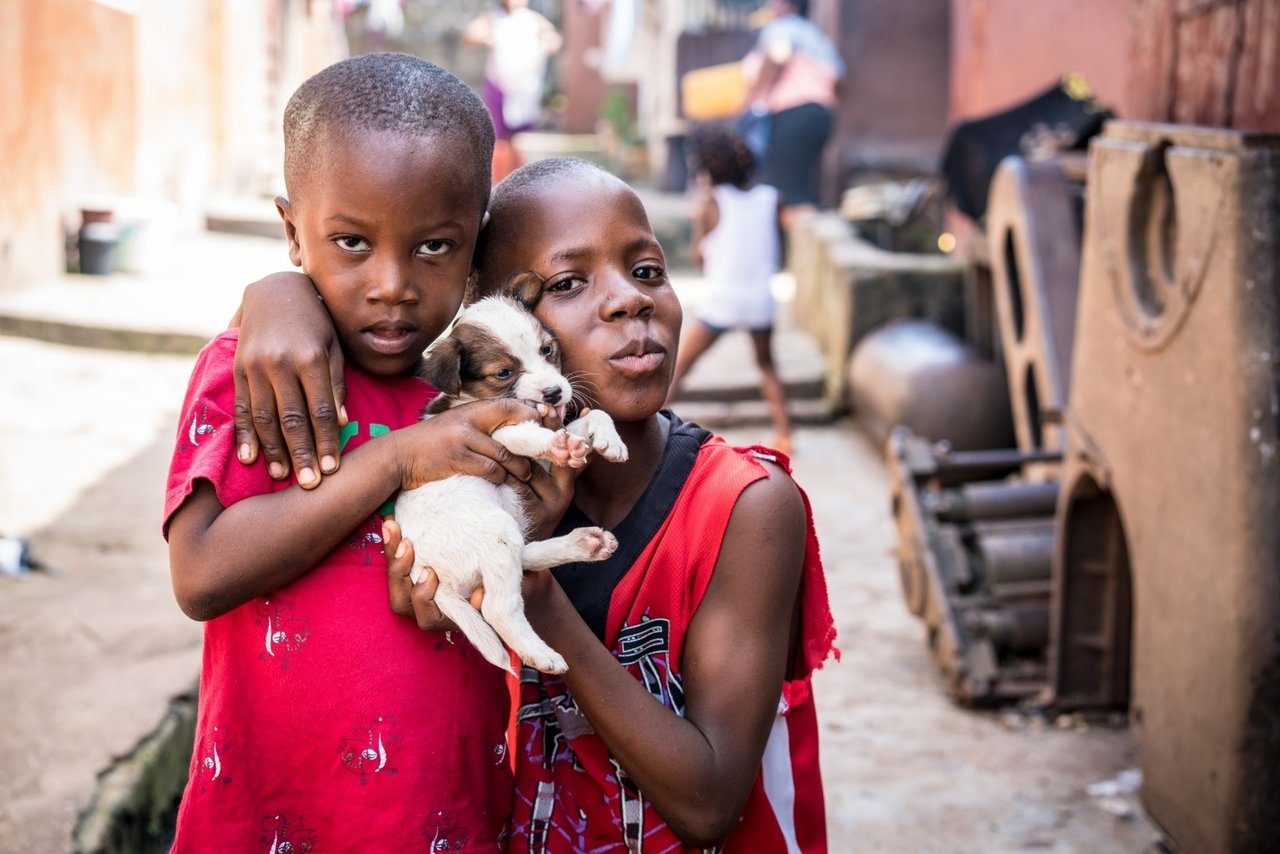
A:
(723, 153)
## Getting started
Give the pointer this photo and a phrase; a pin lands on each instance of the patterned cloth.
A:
(326, 722)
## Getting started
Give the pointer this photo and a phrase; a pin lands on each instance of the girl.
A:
(736, 238)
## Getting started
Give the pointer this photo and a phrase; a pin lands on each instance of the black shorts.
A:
(793, 158)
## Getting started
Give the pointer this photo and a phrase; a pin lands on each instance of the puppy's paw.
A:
(558, 451)
(578, 450)
(593, 543)
(548, 662)
(597, 428)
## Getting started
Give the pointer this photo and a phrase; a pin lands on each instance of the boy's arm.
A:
(221, 558)
(290, 392)
(698, 770)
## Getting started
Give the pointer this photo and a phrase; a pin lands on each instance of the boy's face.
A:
(607, 297)
(385, 226)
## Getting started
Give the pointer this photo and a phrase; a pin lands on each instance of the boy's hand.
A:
(458, 441)
(409, 599)
(290, 392)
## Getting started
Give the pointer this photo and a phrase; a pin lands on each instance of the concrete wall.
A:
(892, 115)
(75, 55)
(152, 104)
(1004, 51)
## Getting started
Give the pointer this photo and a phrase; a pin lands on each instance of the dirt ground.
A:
(90, 652)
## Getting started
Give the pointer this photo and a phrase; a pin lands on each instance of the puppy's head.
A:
(497, 348)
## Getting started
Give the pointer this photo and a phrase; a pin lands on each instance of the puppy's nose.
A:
(551, 394)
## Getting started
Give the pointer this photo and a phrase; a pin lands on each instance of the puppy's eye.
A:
(548, 350)
(503, 374)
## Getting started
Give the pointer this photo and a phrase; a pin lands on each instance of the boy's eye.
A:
(568, 283)
(434, 247)
(351, 243)
(503, 374)
(648, 271)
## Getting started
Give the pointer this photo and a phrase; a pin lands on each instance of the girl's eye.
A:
(648, 271)
(351, 243)
(434, 247)
(503, 374)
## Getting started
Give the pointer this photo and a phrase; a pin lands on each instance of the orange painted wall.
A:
(67, 110)
(1004, 51)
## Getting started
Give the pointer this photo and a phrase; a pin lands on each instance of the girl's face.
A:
(607, 297)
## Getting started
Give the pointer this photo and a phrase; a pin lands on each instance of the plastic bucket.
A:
(99, 246)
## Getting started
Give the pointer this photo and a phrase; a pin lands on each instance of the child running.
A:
(736, 238)
(325, 721)
(685, 720)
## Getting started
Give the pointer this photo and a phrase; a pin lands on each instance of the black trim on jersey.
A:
(590, 586)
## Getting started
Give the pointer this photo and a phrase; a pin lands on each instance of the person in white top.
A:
(520, 41)
(737, 239)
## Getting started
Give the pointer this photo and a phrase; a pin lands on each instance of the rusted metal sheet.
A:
(1208, 62)
(1033, 232)
(1171, 483)
(975, 548)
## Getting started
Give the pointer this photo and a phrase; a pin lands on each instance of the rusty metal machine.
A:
(1168, 570)
(1138, 514)
(976, 533)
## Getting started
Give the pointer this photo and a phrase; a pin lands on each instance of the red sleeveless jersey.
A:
(571, 796)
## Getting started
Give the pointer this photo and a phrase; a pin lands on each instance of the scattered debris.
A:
(15, 557)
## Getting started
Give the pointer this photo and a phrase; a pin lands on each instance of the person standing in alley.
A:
(792, 74)
(519, 41)
(736, 239)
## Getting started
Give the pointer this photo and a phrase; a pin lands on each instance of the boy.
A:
(685, 720)
(325, 721)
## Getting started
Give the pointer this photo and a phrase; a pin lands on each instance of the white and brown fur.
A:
(472, 532)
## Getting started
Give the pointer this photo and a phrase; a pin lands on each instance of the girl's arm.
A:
(221, 557)
(706, 214)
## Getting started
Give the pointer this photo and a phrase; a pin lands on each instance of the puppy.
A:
(472, 532)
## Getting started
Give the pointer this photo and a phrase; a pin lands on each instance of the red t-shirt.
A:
(571, 795)
(326, 722)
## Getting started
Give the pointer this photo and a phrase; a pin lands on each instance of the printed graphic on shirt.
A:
(366, 752)
(287, 836)
(212, 750)
(366, 541)
(199, 424)
(284, 632)
(645, 648)
(553, 716)
(443, 832)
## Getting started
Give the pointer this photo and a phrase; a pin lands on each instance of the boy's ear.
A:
(444, 366)
(525, 288)
(290, 230)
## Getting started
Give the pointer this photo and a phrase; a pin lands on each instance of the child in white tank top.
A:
(736, 238)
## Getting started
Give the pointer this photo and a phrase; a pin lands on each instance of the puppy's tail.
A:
(480, 633)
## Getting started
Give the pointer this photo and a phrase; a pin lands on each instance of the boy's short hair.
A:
(385, 92)
(723, 153)
(507, 197)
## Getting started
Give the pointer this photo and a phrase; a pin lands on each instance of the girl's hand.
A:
(288, 379)
(409, 599)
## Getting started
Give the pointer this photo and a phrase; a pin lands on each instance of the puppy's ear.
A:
(444, 366)
(525, 288)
